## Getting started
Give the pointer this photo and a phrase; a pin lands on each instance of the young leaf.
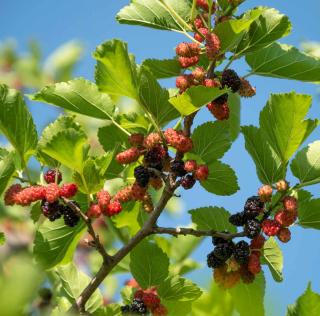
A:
(112, 138)
(284, 61)
(282, 122)
(7, 169)
(308, 214)
(155, 99)
(212, 218)
(55, 243)
(269, 27)
(234, 120)
(77, 95)
(231, 32)
(163, 68)
(16, 122)
(222, 179)
(272, 255)
(306, 165)
(154, 14)
(307, 304)
(74, 282)
(153, 269)
(115, 72)
(175, 288)
(2, 239)
(194, 98)
(248, 298)
(268, 164)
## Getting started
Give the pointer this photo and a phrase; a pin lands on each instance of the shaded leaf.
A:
(163, 68)
(7, 170)
(309, 214)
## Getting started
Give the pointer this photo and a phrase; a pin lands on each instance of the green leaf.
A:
(268, 164)
(55, 243)
(65, 141)
(77, 95)
(152, 13)
(153, 269)
(163, 68)
(155, 99)
(91, 180)
(211, 140)
(111, 137)
(74, 282)
(309, 214)
(212, 218)
(307, 304)
(177, 308)
(2, 239)
(269, 27)
(234, 120)
(178, 289)
(232, 31)
(7, 169)
(109, 310)
(35, 212)
(16, 122)
(182, 247)
(194, 98)
(248, 298)
(306, 165)
(286, 62)
(272, 255)
(282, 122)
(222, 179)
(115, 73)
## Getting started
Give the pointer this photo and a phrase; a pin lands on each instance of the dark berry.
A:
(142, 176)
(219, 240)
(222, 99)
(126, 309)
(238, 219)
(177, 166)
(188, 182)
(224, 251)
(241, 252)
(231, 80)
(253, 207)
(52, 175)
(213, 261)
(52, 211)
(252, 228)
(154, 157)
(138, 307)
(71, 219)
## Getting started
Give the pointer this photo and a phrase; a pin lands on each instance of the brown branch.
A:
(96, 240)
(197, 233)
(108, 265)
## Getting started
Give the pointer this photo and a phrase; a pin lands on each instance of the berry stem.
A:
(193, 10)
(197, 233)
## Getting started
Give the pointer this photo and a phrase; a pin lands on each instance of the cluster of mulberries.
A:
(18, 195)
(145, 302)
(235, 261)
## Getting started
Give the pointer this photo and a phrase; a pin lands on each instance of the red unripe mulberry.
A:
(198, 22)
(137, 192)
(68, 190)
(290, 203)
(284, 235)
(186, 62)
(198, 73)
(282, 185)
(202, 173)
(213, 45)
(254, 265)
(52, 192)
(152, 140)
(270, 227)
(30, 194)
(265, 193)
(219, 111)
(10, 195)
(160, 311)
(257, 242)
(204, 31)
(94, 211)
(104, 199)
(285, 218)
(124, 195)
(177, 140)
(113, 208)
(184, 82)
(211, 83)
(128, 156)
(246, 90)
(203, 4)
(51, 175)
(136, 139)
(190, 165)
(151, 300)
(188, 49)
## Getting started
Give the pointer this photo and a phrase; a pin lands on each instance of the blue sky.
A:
(92, 22)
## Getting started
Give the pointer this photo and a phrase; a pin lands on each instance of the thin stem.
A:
(197, 233)
(119, 126)
(209, 14)
(189, 36)
(304, 184)
(193, 10)
(22, 180)
(248, 75)
(231, 60)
